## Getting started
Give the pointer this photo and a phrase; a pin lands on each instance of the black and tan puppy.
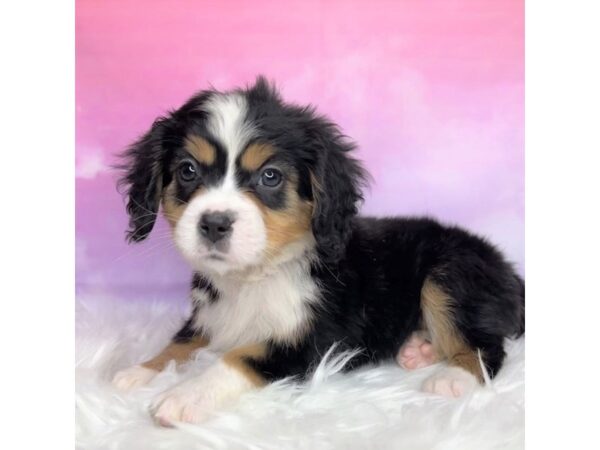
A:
(262, 200)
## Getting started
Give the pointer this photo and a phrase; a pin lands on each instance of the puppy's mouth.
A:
(214, 256)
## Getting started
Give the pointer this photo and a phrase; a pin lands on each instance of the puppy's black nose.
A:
(214, 226)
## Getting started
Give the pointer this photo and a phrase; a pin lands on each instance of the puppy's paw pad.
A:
(450, 382)
(416, 353)
(133, 377)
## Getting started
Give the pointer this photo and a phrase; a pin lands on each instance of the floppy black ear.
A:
(337, 189)
(143, 180)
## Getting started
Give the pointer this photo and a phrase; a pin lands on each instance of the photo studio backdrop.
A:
(432, 92)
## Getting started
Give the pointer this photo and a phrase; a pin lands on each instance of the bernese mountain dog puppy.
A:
(262, 197)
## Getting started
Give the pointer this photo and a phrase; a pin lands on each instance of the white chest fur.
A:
(253, 310)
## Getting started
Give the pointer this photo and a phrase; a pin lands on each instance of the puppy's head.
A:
(244, 179)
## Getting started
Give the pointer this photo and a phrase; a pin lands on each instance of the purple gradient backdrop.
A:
(431, 91)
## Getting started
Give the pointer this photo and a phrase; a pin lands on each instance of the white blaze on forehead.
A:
(227, 123)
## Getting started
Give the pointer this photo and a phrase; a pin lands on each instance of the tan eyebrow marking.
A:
(200, 149)
(255, 156)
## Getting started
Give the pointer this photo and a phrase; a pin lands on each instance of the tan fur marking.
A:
(286, 225)
(468, 360)
(172, 209)
(180, 352)
(446, 339)
(255, 156)
(236, 359)
(200, 149)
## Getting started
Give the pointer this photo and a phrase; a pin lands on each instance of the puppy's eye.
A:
(271, 178)
(187, 172)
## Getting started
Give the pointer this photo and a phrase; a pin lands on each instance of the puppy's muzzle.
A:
(216, 226)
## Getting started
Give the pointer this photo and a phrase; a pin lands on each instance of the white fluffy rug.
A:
(373, 408)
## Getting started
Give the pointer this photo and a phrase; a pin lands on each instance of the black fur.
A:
(370, 271)
(372, 300)
(317, 149)
(144, 179)
(201, 283)
(187, 331)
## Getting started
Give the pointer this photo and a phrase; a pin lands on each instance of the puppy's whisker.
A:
(281, 232)
(150, 214)
(183, 202)
(143, 208)
(131, 251)
(160, 246)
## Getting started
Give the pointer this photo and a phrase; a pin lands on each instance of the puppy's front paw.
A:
(133, 377)
(183, 403)
(450, 382)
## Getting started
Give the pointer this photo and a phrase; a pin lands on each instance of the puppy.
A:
(262, 197)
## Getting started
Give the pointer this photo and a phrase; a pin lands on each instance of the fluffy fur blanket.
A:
(373, 408)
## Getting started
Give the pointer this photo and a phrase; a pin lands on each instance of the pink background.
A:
(432, 91)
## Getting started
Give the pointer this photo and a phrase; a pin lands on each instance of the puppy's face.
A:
(242, 180)
(233, 197)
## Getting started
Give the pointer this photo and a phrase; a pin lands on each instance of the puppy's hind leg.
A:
(464, 369)
(417, 352)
